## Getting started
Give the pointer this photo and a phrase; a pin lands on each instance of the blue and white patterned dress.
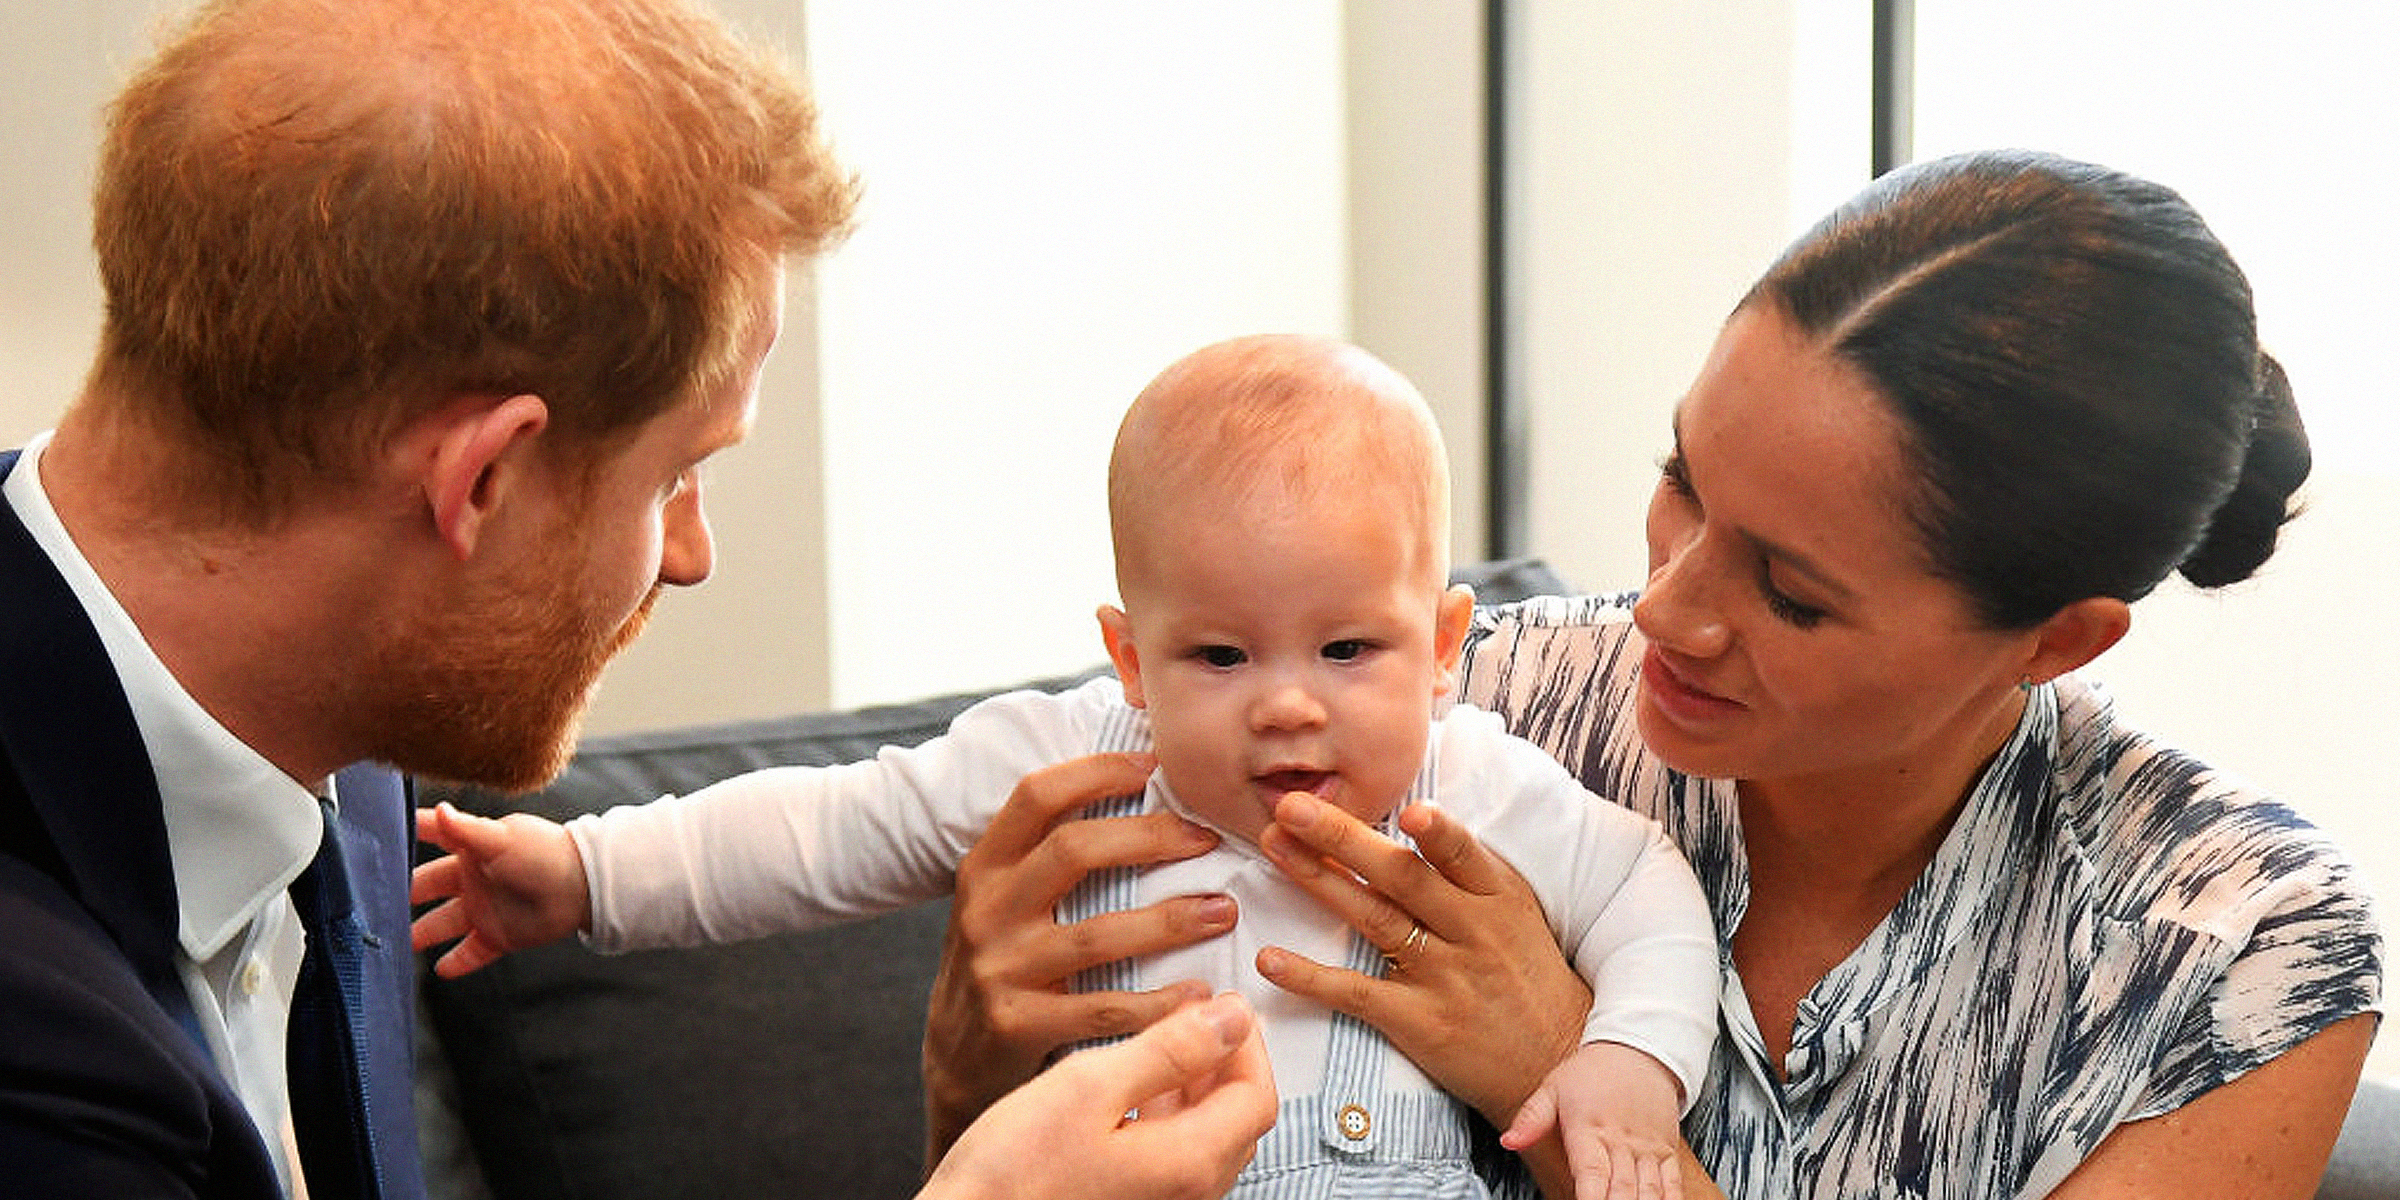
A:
(2108, 931)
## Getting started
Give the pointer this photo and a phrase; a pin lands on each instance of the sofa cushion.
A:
(2366, 1161)
(787, 1065)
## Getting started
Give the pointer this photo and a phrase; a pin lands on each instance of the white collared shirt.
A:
(239, 831)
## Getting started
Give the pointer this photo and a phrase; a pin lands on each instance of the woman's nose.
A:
(1677, 609)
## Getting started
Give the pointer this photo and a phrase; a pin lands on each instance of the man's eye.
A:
(1676, 476)
(1220, 657)
(1347, 649)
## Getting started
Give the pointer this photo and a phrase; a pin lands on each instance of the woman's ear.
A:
(1116, 631)
(2076, 635)
(472, 465)
(1452, 614)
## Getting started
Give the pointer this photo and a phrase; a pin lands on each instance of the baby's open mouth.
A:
(1295, 780)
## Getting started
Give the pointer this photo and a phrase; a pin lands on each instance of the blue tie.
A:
(326, 1047)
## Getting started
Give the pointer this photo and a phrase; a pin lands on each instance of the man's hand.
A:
(1199, 1081)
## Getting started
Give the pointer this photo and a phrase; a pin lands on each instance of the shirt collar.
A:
(239, 830)
(1986, 848)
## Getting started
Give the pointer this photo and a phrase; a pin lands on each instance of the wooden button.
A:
(1353, 1121)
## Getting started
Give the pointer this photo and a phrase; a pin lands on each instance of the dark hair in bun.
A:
(2074, 363)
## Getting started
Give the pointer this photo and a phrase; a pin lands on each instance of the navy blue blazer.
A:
(105, 1086)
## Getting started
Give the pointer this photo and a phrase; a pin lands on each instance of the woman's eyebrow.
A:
(1769, 548)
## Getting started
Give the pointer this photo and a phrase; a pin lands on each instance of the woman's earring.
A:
(2024, 683)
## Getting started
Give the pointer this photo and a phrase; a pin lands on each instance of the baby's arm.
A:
(1648, 947)
(1650, 954)
(507, 884)
(787, 848)
(1633, 920)
(1614, 1108)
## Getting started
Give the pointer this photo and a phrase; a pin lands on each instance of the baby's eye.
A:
(1347, 649)
(1220, 657)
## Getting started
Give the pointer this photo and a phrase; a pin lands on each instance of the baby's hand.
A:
(1614, 1109)
(509, 884)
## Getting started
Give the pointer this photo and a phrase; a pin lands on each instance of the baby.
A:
(1279, 508)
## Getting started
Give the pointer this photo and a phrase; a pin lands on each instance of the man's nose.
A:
(689, 550)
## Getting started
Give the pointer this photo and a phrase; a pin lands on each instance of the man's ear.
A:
(1117, 633)
(2076, 635)
(1451, 616)
(476, 451)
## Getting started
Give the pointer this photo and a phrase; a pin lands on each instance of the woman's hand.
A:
(1000, 1003)
(1482, 998)
(1201, 1082)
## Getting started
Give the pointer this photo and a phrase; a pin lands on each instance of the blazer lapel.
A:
(68, 731)
(66, 728)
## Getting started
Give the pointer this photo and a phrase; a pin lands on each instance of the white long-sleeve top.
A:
(791, 848)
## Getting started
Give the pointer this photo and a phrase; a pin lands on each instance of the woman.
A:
(1981, 940)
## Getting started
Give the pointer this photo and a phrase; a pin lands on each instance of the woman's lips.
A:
(1677, 697)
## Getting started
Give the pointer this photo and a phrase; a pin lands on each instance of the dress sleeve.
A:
(2311, 957)
(783, 849)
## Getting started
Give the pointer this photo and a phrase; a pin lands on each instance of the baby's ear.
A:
(1116, 632)
(1452, 614)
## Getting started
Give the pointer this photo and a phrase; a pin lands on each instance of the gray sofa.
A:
(785, 1066)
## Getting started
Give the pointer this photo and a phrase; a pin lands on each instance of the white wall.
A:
(58, 66)
(1416, 171)
(1061, 199)
(1660, 148)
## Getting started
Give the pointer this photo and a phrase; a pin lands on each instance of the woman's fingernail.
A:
(1216, 912)
(1271, 963)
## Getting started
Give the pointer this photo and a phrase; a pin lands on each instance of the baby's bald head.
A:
(1275, 424)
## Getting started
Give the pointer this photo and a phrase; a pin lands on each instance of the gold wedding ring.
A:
(1408, 947)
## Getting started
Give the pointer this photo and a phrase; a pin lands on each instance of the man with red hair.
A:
(422, 316)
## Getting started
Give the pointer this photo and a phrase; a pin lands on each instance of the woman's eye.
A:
(1220, 657)
(1347, 649)
(1791, 612)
